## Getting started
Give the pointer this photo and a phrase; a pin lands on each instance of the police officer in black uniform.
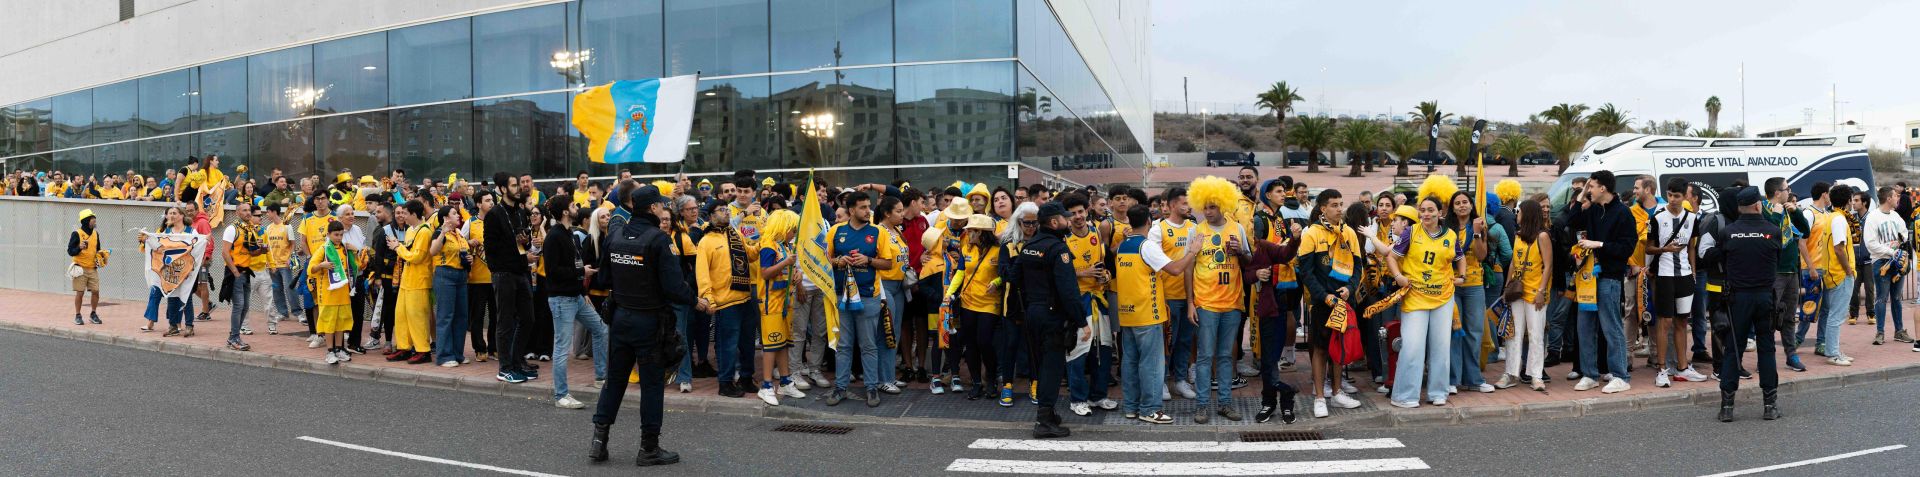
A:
(1747, 250)
(1046, 278)
(646, 283)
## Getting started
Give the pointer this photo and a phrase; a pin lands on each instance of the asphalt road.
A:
(74, 408)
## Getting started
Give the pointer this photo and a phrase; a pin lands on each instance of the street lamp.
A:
(820, 127)
(566, 63)
(1203, 130)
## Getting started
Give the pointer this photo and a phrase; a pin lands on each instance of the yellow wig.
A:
(1211, 190)
(666, 188)
(1508, 190)
(1439, 186)
(780, 223)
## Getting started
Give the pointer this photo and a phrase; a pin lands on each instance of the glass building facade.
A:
(925, 90)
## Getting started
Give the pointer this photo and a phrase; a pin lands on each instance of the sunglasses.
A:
(1029, 223)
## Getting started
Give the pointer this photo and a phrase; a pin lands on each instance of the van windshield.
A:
(1562, 190)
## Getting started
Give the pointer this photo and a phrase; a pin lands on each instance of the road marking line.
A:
(1830, 458)
(994, 466)
(423, 458)
(1182, 446)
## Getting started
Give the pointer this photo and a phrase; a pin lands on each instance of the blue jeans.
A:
(153, 305)
(1183, 336)
(1884, 288)
(683, 316)
(1216, 343)
(1699, 318)
(242, 291)
(568, 310)
(1560, 312)
(1425, 340)
(1465, 357)
(727, 324)
(1606, 322)
(1080, 386)
(897, 307)
(1141, 366)
(1838, 298)
(449, 314)
(282, 279)
(861, 328)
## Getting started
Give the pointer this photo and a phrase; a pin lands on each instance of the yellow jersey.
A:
(983, 273)
(1340, 246)
(1137, 289)
(246, 237)
(451, 250)
(714, 273)
(1173, 243)
(747, 224)
(1474, 277)
(1531, 262)
(279, 245)
(1835, 262)
(322, 294)
(477, 271)
(416, 265)
(89, 256)
(313, 229)
(1586, 280)
(1640, 225)
(1086, 252)
(1428, 266)
(898, 271)
(1217, 285)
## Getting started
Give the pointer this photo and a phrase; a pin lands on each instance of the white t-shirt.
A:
(1673, 230)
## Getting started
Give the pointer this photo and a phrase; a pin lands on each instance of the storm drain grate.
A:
(813, 429)
(1281, 436)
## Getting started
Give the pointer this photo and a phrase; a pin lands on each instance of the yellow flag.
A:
(812, 242)
(1480, 185)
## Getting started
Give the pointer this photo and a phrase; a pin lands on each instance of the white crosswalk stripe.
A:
(1095, 467)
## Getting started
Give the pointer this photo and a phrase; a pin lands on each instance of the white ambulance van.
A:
(1718, 162)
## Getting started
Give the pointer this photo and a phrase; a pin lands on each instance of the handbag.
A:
(74, 270)
(1515, 290)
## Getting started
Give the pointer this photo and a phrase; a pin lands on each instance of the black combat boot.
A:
(1046, 425)
(651, 454)
(1726, 406)
(1772, 410)
(598, 452)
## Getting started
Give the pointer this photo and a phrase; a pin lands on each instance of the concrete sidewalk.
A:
(51, 314)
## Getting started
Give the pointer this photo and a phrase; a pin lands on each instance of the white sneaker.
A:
(450, 364)
(1585, 384)
(1247, 370)
(800, 382)
(1662, 380)
(1690, 375)
(1344, 401)
(1606, 376)
(1485, 388)
(1451, 390)
(1840, 360)
(345, 356)
(1080, 409)
(766, 394)
(792, 390)
(1573, 375)
(1108, 404)
(332, 358)
(1615, 386)
(1383, 389)
(684, 388)
(313, 341)
(1347, 387)
(1749, 345)
(1404, 405)
(568, 402)
(1506, 381)
(1164, 395)
(819, 380)
(1320, 407)
(1186, 388)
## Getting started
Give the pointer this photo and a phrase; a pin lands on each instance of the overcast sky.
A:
(1658, 60)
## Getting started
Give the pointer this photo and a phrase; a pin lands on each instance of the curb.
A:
(1425, 416)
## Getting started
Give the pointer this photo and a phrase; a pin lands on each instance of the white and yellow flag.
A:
(812, 240)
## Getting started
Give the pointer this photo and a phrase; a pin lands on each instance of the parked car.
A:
(1539, 158)
(1231, 159)
(1299, 158)
(1380, 158)
(1437, 158)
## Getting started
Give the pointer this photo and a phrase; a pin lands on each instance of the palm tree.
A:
(1608, 120)
(1460, 144)
(1511, 147)
(1713, 113)
(1358, 137)
(1279, 98)
(1403, 142)
(1563, 140)
(1567, 120)
(1314, 135)
(1563, 113)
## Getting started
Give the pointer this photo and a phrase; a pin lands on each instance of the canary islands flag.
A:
(637, 121)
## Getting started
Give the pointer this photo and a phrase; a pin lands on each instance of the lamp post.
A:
(820, 128)
(567, 64)
(1203, 130)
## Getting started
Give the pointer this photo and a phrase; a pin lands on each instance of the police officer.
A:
(1051, 290)
(646, 283)
(1747, 250)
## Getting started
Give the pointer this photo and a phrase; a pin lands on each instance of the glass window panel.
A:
(36, 162)
(716, 37)
(515, 50)
(431, 62)
(149, 156)
(625, 38)
(953, 30)
(286, 146)
(77, 163)
(979, 96)
(813, 33)
(164, 103)
(114, 108)
(351, 73)
(432, 141)
(73, 119)
(353, 142)
(222, 94)
(280, 84)
(734, 126)
(523, 135)
(7, 126)
(861, 105)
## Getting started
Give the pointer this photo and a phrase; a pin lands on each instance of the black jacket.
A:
(646, 273)
(503, 227)
(1747, 249)
(1048, 284)
(560, 252)
(1611, 225)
